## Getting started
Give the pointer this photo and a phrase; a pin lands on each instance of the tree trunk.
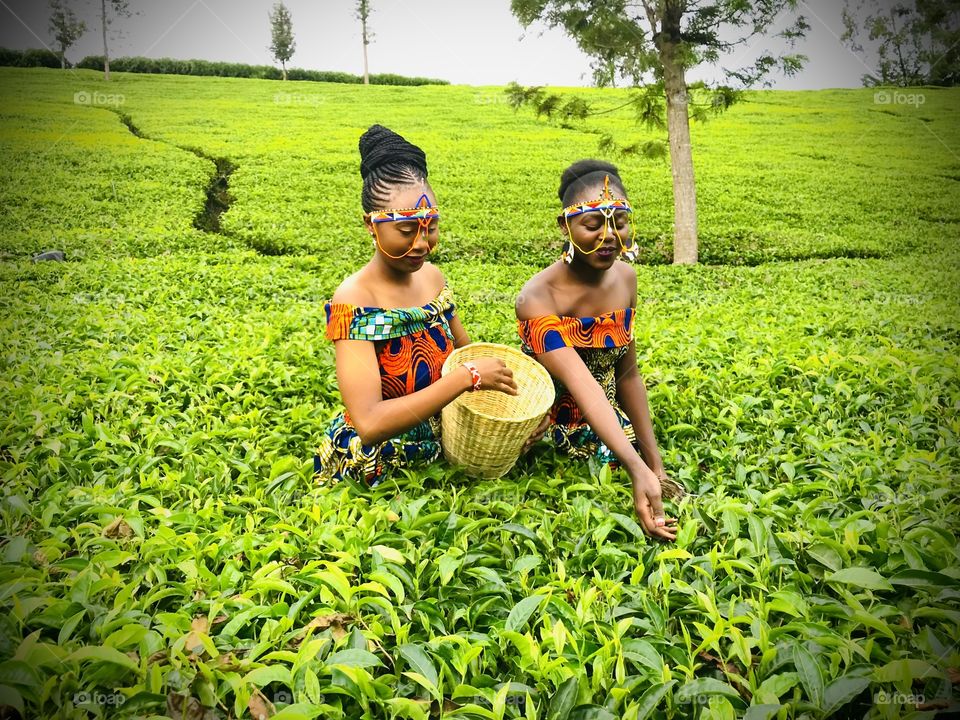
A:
(63, 59)
(106, 53)
(283, 65)
(366, 41)
(681, 158)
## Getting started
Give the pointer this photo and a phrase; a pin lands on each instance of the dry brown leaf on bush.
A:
(933, 705)
(193, 645)
(118, 529)
(227, 662)
(260, 708)
(336, 623)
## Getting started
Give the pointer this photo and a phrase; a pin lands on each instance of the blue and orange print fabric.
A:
(412, 344)
(601, 342)
(552, 332)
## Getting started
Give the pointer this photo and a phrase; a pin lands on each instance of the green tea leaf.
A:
(650, 700)
(826, 556)
(423, 682)
(761, 712)
(522, 611)
(102, 654)
(591, 712)
(923, 578)
(778, 685)
(905, 670)
(265, 675)
(521, 530)
(841, 691)
(389, 554)
(811, 677)
(629, 524)
(860, 577)
(420, 662)
(563, 700)
(354, 657)
(704, 686)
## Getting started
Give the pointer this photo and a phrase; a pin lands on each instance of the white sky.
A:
(476, 42)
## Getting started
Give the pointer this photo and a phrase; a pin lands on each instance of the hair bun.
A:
(381, 146)
(582, 171)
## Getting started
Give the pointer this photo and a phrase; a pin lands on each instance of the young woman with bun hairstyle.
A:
(393, 323)
(576, 317)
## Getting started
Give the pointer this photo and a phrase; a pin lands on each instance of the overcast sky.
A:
(476, 42)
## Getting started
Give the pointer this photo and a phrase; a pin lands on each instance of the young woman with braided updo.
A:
(393, 323)
(576, 317)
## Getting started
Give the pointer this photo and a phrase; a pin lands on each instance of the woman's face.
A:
(595, 236)
(405, 244)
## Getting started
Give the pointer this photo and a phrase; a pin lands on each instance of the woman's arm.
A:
(460, 337)
(376, 419)
(632, 396)
(567, 366)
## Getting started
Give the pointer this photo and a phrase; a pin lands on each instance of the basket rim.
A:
(539, 369)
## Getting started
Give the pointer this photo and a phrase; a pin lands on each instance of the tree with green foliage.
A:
(916, 42)
(282, 44)
(363, 14)
(653, 44)
(65, 28)
(118, 8)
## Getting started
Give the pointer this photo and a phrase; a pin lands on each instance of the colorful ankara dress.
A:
(411, 345)
(600, 342)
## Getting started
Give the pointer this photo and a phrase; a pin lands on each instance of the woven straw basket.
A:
(484, 431)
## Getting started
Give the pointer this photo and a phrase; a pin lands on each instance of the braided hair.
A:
(586, 174)
(387, 161)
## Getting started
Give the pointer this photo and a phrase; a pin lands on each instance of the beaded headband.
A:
(607, 205)
(423, 212)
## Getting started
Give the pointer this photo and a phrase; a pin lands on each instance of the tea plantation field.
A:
(165, 552)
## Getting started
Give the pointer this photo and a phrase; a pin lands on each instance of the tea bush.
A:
(166, 552)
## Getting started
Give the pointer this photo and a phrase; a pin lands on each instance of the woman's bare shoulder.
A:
(536, 297)
(434, 276)
(353, 291)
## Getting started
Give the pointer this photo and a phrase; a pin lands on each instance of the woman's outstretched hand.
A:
(648, 504)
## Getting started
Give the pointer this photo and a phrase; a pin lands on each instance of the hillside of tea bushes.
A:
(166, 554)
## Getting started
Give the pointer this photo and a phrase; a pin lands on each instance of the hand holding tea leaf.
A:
(648, 504)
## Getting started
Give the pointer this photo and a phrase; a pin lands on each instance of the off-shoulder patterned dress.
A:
(600, 342)
(411, 345)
